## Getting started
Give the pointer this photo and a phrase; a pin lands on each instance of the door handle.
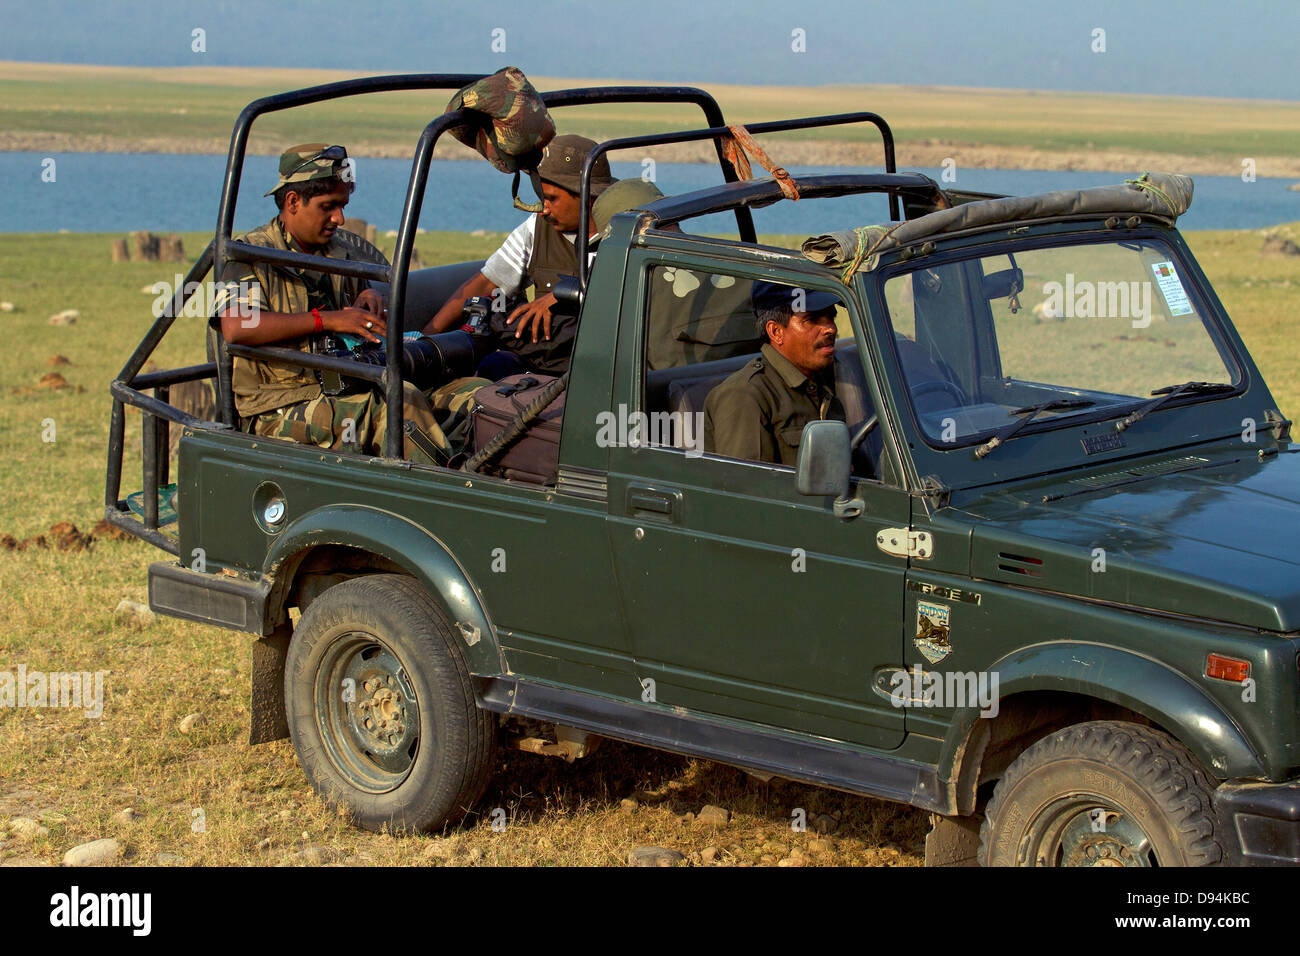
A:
(653, 503)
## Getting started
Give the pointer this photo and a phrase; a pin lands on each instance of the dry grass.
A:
(76, 774)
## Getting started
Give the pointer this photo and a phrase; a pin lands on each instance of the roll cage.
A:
(129, 387)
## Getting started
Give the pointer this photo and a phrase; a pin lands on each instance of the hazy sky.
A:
(1202, 47)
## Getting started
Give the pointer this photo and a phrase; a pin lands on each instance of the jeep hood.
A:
(1216, 537)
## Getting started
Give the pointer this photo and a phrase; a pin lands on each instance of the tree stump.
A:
(173, 249)
(372, 233)
(120, 253)
(146, 247)
(355, 226)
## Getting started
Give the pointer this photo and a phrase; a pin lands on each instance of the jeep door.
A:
(743, 599)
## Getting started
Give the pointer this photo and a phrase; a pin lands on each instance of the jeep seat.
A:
(428, 289)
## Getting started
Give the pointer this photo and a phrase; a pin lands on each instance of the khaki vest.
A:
(264, 386)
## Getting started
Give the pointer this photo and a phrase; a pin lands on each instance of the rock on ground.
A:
(314, 856)
(712, 815)
(93, 853)
(28, 829)
(189, 722)
(654, 856)
(132, 612)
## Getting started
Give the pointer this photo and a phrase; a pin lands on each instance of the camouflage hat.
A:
(561, 165)
(308, 161)
(620, 197)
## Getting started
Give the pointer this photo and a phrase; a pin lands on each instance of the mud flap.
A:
(268, 720)
(952, 841)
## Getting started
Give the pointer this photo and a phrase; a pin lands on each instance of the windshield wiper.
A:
(1030, 412)
(1168, 394)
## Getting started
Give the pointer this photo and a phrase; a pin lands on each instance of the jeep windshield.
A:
(998, 347)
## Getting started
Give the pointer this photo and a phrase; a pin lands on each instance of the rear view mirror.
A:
(1004, 284)
(825, 461)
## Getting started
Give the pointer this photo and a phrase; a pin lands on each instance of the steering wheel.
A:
(938, 385)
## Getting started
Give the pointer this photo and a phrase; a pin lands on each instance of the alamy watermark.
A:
(628, 429)
(79, 690)
(1085, 299)
(239, 298)
(953, 690)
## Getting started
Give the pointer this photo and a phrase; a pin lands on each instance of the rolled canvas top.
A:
(1161, 194)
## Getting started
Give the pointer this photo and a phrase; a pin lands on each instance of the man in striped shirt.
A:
(539, 250)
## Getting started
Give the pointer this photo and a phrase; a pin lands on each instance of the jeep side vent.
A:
(1020, 564)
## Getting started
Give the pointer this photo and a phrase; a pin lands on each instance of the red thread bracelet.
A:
(320, 323)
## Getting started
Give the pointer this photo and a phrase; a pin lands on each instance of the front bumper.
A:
(1262, 822)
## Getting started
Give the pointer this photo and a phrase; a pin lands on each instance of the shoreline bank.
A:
(922, 153)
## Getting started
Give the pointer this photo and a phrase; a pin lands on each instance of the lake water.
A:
(120, 192)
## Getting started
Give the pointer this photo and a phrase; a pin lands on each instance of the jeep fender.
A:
(407, 545)
(1147, 687)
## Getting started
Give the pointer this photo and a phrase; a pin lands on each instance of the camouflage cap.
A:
(305, 162)
(620, 197)
(561, 165)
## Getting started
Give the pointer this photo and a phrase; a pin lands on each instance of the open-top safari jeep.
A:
(1040, 583)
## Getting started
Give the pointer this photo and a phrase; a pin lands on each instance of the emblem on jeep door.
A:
(932, 631)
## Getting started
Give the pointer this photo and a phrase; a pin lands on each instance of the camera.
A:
(428, 361)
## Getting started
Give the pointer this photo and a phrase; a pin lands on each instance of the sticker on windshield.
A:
(1172, 289)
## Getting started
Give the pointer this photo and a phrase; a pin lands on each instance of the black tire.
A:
(411, 751)
(1151, 793)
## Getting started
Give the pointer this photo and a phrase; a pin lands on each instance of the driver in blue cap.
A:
(759, 411)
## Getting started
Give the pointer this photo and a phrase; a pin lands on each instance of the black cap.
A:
(774, 295)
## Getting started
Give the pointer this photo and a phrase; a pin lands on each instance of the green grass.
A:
(58, 609)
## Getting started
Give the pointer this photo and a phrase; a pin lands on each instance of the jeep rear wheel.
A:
(381, 709)
(1103, 793)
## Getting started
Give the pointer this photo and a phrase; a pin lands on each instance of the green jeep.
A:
(1038, 583)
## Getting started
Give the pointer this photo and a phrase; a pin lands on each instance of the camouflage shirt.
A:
(759, 412)
(261, 386)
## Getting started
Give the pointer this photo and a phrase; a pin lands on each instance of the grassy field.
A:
(75, 776)
(65, 106)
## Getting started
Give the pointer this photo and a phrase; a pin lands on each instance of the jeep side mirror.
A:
(568, 296)
(825, 462)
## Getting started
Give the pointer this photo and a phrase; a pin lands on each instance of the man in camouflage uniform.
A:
(292, 308)
(759, 411)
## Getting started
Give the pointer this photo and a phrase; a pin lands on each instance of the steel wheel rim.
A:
(1086, 829)
(367, 713)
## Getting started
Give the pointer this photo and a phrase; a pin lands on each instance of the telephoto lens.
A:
(433, 360)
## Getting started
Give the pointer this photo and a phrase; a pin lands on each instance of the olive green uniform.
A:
(285, 401)
(759, 411)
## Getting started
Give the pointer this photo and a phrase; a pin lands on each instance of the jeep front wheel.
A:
(1103, 793)
(381, 709)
